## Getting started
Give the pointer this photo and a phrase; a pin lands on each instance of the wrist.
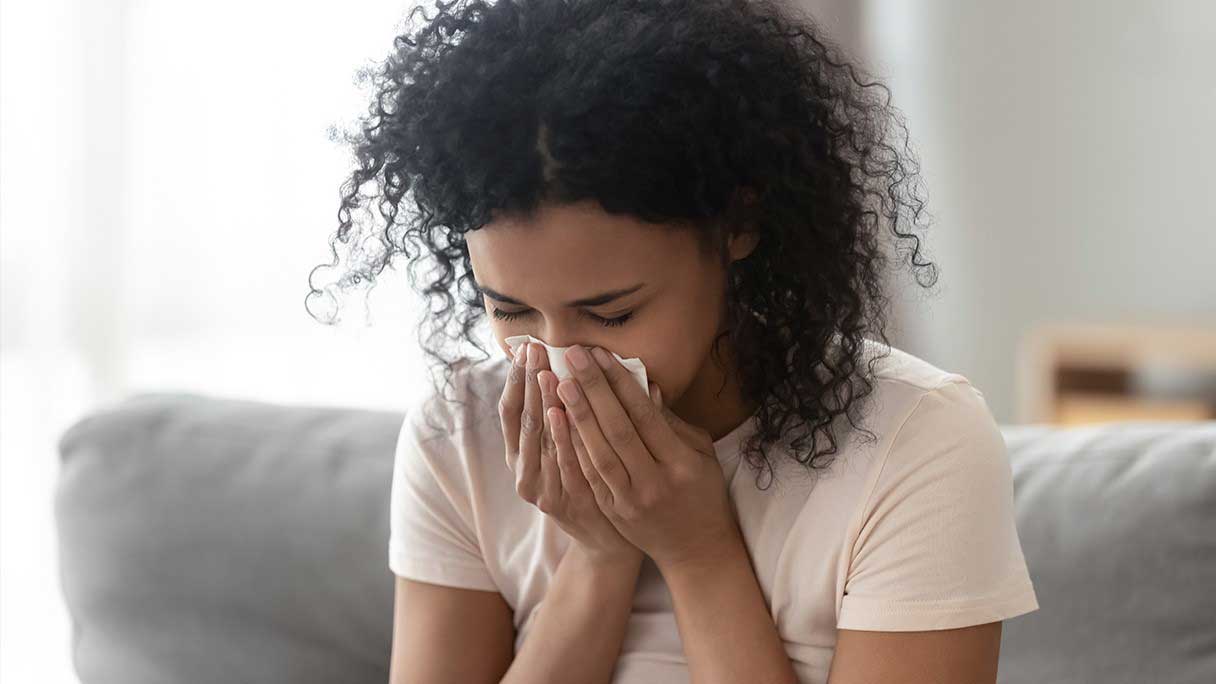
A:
(622, 562)
(708, 562)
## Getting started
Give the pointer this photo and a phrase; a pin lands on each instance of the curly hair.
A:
(710, 114)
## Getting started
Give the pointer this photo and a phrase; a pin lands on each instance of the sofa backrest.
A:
(204, 539)
(217, 540)
(1118, 526)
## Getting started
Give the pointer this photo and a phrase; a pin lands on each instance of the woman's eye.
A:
(606, 322)
(507, 315)
(612, 322)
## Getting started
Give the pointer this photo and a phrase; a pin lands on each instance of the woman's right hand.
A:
(548, 467)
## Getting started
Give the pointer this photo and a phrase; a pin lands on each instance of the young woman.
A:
(706, 186)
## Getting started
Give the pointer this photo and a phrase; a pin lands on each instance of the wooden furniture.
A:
(1080, 373)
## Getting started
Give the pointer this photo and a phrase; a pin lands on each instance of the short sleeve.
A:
(938, 546)
(432, 537)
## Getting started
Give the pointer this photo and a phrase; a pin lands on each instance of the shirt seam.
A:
(953, 378)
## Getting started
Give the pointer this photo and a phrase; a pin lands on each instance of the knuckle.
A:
(590, 380)
(651, 413)
(528, 422)
(579, 413)
(620, 434)
(515, 375)
(682, 474)
(525, 490)
(608, 468)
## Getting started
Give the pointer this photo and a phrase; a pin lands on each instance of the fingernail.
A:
(578, 357)
(520, 352)
(533, 355)
(568, 392)
(601, 357)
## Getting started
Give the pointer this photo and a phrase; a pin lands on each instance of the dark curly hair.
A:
(663, 110)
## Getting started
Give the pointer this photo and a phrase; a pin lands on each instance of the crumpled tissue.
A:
(557, 361)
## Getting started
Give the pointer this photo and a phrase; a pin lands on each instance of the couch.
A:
(207, 539)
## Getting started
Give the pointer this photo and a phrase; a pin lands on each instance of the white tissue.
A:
(557, 361)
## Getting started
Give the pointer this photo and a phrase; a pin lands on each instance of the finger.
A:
(531, 425)
(574, 483)
(648, 432)
(615, 399)
(510, 404)
(600, 452)
(599, 488)
(550, 474)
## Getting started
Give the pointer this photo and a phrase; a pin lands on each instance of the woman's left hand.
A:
(654, 476)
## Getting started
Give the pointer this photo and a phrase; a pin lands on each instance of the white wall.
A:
(166, 185)
(1069, 152)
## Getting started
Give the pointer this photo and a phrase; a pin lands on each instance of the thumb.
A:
(656, 396)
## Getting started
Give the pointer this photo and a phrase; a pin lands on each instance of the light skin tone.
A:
(625, 474)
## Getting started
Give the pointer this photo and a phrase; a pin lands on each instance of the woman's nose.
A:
(560, 338)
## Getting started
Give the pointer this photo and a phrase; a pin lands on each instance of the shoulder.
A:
(933, 544)
(461, 409)
(894, 365)
(930, 419)
(937, 425)
(910, 393)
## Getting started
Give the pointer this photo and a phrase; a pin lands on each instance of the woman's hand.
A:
(655, 476)
(547, 471)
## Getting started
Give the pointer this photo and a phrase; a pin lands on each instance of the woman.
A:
(706, 186)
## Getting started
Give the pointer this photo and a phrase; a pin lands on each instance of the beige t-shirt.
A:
(912, 531)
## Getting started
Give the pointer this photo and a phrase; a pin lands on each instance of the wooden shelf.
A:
(1084, 373)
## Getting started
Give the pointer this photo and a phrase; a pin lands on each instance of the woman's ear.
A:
(742, 244)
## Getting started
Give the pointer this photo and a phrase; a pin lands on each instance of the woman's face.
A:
(564, 277)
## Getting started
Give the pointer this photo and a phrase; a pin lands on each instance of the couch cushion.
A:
(216, 540)
(1118, 526)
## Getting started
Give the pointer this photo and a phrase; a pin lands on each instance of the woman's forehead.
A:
(577, 243)
(567, 253)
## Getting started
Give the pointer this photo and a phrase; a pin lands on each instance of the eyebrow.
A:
(596, 300)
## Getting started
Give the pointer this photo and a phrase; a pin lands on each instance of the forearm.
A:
(724, 623)
(580, 625)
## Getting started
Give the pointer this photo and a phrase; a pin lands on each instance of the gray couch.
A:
(207, 540)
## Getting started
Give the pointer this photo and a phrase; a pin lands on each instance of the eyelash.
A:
(606, 322)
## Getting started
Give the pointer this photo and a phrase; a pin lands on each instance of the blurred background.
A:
(167, 183)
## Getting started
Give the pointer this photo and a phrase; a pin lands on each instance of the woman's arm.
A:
(724, 622)
(578, 632)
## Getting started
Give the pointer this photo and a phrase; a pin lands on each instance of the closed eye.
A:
(606, 322)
